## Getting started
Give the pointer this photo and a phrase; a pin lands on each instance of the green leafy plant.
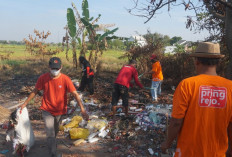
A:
(87, 29)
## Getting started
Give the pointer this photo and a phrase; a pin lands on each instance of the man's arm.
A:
(229, 151)
(135, 74)
(173, 131)
(84, 114)
(31, 96)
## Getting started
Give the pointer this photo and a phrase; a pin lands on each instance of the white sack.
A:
(24, 132)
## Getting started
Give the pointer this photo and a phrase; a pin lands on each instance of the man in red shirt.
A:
(122, 84)
(55, 86)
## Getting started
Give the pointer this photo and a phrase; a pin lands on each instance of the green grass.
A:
(113, 56)
(18, 51)
(13, 62)
(110, 58)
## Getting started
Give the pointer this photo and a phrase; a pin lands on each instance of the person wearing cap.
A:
(202, 109)
(55, 87)
(87, 76)
(157, 77)
(122, 84)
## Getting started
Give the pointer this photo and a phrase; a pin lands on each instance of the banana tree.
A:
(88, 29)
(72, 32)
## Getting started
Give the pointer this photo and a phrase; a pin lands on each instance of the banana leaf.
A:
(113, 37)
(87, 24)
(79, 41)
(97, 36)
(71, 22)
(95, 26)
(91, 19)
(107, 33)
(85, 9)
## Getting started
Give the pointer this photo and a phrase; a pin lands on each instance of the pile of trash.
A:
(82, 131)
(154, 117)
(129, 135)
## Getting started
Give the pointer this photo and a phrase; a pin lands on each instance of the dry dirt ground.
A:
(14, 90)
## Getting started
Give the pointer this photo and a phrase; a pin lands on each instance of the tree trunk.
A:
(66, 38)
(95, 60)
(74, 54)
(83, 45)
(228, 37)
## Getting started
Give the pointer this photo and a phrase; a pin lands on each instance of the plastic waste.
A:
(74, 123)
(73, 103)
(66, 121)
(122, 114)
(93, 117)
(103, 132)
(93, 140)
(23, 129)
(77, 84)
(139, 109)
(4, 151)
(83, 123)
(119, 110)
(79, 133)
(137, 128)
(4, 125)
(77, 142)
(154, 118)
(151, 151)
(132, 108)
(92, 135)
(96, 124)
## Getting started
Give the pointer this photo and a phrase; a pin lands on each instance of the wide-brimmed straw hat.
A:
(207, 50)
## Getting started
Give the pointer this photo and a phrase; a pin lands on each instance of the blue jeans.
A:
(155, 89)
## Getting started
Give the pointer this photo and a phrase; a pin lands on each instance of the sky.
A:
(19, 18)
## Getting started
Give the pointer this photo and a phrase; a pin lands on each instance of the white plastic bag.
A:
(23, 129)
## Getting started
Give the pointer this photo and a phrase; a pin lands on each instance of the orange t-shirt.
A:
(205, 103)
(55, 93)
(158, 74)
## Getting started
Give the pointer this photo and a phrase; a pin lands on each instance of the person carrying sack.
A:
(55, 86)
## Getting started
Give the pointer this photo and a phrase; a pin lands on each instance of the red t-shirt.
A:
(55, 93)
(126, 74)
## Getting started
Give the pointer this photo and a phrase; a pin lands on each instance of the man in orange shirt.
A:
(55, 86)
(202, 109)
(157, 77)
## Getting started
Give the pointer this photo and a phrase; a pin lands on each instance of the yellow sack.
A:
(77, 118)
(79, 133)
(61, 127)
(74, 122)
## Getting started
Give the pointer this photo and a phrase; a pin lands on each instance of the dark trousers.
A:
(120, 90)
(87, 81)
